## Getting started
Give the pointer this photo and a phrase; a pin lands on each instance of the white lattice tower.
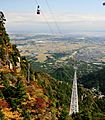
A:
(28, 74)
(74, 97)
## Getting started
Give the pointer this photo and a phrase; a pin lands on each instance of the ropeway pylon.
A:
(28, 73)
(74, 97)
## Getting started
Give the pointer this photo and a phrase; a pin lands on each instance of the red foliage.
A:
(40, 100)
(40, 103)
(49, 101)
(3, 104)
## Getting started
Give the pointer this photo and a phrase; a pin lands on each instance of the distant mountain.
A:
(69, 38)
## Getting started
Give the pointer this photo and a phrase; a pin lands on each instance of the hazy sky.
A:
(57, 16)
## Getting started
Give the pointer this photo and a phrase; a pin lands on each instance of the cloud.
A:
(66, 21)
(59, 17)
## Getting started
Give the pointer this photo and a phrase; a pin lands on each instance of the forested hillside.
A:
(94, 80)
(38, 96)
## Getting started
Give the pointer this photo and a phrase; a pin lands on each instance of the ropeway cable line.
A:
(50, 28)
(54, 19)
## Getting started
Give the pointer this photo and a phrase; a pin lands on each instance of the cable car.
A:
(104, 3)
(38, 9)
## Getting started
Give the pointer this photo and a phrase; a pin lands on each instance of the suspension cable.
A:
(50, 28)
(55, 22)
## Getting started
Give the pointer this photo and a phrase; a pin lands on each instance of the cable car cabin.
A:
(104, 3)
(38, 10)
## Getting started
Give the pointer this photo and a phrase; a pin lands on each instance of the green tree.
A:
(20, 90)
(1, 116)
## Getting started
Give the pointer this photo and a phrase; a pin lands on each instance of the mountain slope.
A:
(94, 80)
(38, 96)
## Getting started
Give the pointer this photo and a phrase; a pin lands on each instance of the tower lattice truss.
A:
(74, 97)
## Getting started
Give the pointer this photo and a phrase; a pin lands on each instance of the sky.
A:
(57, 16)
